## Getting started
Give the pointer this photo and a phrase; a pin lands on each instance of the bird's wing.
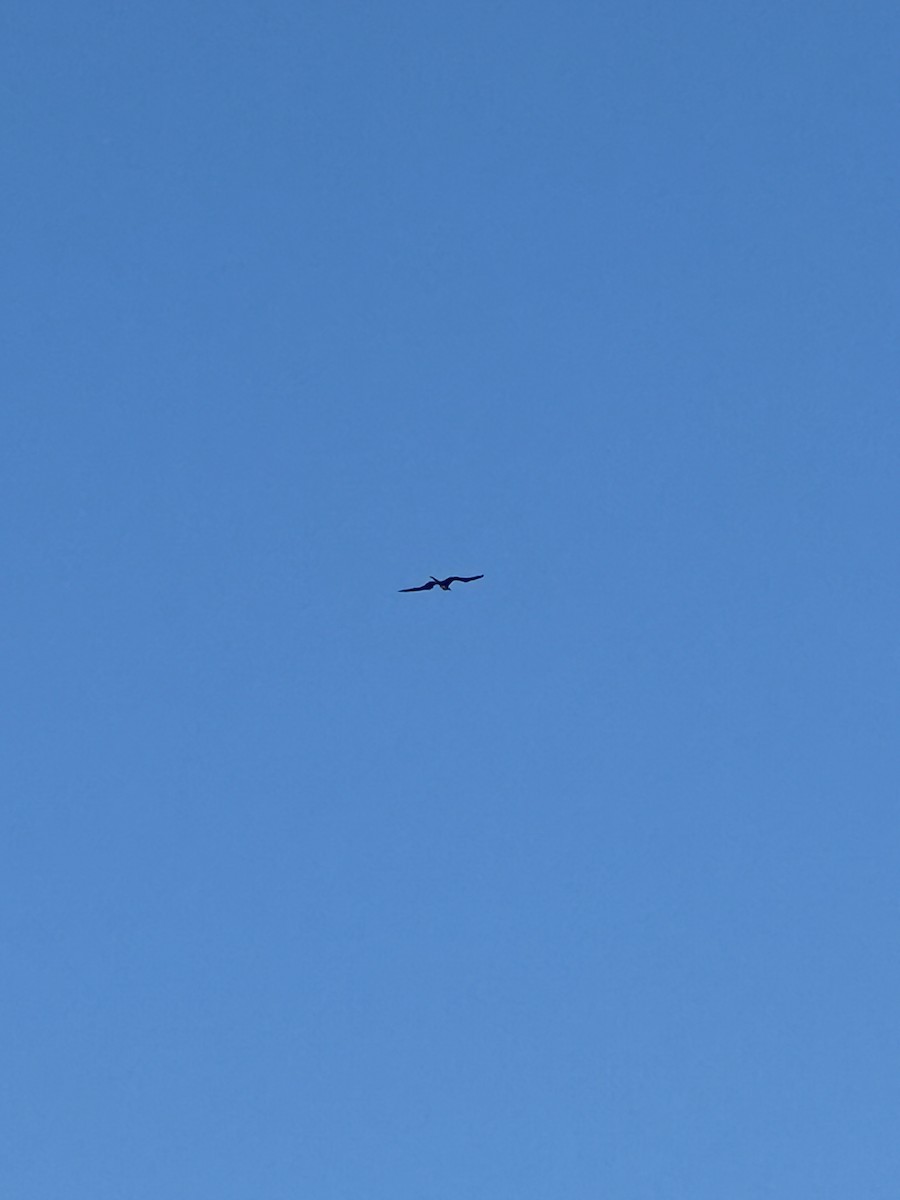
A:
(424, 588)
(463, 578)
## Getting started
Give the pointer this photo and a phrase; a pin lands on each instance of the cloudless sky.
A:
(579, 881)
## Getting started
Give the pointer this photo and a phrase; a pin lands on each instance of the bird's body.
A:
(443, 584)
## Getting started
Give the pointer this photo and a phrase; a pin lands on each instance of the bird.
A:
(443, 584)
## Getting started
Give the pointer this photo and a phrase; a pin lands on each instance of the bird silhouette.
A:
(443, 584)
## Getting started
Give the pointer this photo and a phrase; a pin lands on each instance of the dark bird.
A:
(443, 584)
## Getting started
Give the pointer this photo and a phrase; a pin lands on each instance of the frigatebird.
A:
(443, 584)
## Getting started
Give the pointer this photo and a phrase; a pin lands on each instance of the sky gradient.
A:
(579, 881)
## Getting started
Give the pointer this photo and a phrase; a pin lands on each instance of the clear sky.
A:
(580, 881)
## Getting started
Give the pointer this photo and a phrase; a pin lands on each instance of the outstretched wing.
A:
(463, 578)
(424, 588)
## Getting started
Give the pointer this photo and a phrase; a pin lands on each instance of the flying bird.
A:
(443, 584)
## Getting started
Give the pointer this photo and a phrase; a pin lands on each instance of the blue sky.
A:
(578, 881)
